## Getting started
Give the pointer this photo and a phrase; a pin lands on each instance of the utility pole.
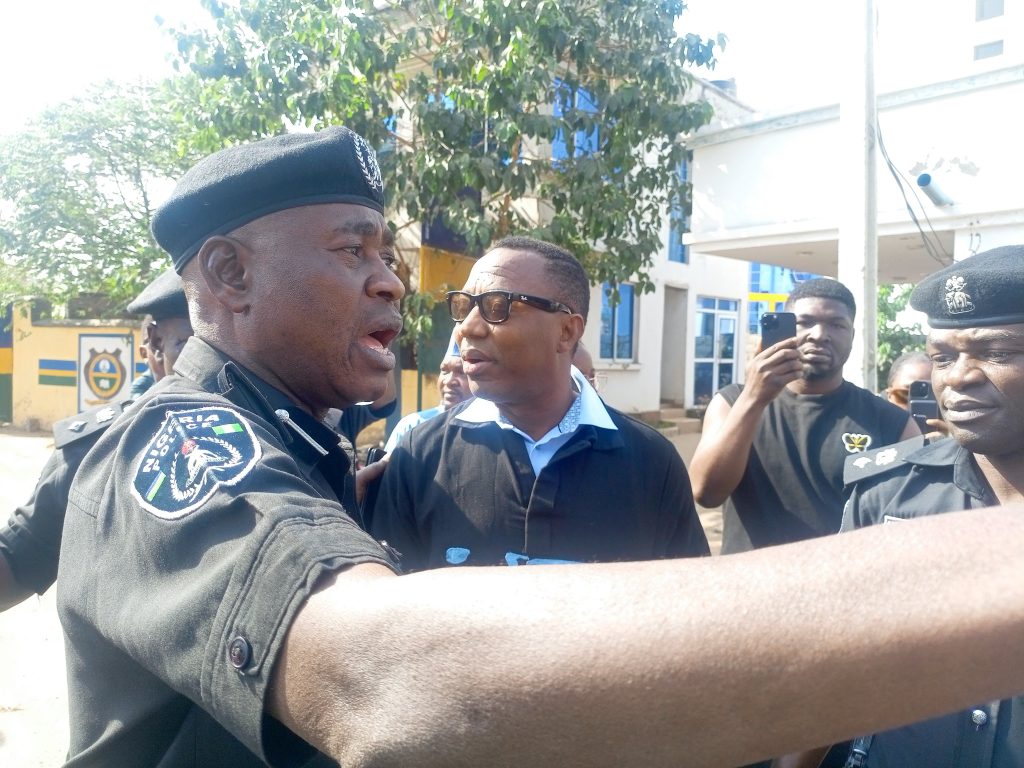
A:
(858, 222)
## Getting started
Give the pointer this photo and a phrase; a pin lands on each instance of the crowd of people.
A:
(232, 594)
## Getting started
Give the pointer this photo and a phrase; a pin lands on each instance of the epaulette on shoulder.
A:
(879, 461)
(90, 422)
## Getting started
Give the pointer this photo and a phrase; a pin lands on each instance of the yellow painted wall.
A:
(440, 271)
(430, 396)
(38, 406)
(443, 269)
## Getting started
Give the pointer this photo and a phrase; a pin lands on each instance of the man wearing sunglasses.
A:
(536, 467)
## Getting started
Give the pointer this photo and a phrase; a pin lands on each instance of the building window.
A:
(714, 348)
(987, 9)
(568, 100)
(618, 326)
(770, 286)
(988, 50)
(679, 217)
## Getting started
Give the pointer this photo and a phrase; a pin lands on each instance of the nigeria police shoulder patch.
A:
(194, 452)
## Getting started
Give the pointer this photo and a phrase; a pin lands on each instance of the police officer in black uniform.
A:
(221, 608)
(226, 472)
(975, 309)
(30, 540)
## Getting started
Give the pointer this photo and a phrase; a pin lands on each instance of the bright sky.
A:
(784, 54)
(770, 48)
(791, 54)
(50, 50)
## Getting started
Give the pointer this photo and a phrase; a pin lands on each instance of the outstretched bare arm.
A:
(689, 662)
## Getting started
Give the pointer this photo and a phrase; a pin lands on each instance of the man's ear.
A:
(572, 332)
(226, 267)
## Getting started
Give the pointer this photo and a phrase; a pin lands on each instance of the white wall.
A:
(782, 173)
(910, 53)
(638, 387)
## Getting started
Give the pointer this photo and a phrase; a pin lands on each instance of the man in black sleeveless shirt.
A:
(795, 421)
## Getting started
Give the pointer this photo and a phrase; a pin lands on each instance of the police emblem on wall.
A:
(104, 373)
(104, 362)
(194, 452)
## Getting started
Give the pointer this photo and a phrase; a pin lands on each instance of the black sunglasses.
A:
(495, 306)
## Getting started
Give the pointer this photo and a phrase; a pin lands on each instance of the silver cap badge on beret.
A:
(958, 301)
(368, 162)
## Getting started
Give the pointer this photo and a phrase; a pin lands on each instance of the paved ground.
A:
(33, 703)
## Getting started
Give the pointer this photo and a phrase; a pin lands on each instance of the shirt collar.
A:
(203, 363)
(947, 451)
(587, 408)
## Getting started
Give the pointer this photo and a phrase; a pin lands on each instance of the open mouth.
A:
(385, 333)
(384, 337)
(475, 363)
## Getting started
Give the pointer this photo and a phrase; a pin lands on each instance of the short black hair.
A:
(567, 274)
(907, 358)
(823, 288)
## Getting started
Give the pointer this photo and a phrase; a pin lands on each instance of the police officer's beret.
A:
(162, 298)
(242, 183)
(986, 289)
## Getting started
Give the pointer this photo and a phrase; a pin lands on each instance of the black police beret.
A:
(162, 298)
(239, 184)
(986, 289)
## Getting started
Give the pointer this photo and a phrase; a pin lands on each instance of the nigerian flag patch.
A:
(194, 452)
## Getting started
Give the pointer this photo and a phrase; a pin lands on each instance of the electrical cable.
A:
(931, 248)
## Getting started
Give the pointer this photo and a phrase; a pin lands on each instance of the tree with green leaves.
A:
(78, 187)
(894, 338)
(465, 101)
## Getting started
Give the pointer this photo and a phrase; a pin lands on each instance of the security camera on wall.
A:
(927, 184)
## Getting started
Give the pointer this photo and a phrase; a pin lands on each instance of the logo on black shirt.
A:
(194, 452)
(856, 443)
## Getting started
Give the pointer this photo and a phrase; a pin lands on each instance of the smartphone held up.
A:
(923, 405)
(776, 327)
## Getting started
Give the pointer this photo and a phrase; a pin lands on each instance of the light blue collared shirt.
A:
(587, 408)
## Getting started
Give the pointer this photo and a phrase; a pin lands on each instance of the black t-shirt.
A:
(792, 487)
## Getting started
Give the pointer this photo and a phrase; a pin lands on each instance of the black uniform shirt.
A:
(940, 477)
(620, 494)
(30, 540)
(195, 529)
(356, 418)
(792, 487)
